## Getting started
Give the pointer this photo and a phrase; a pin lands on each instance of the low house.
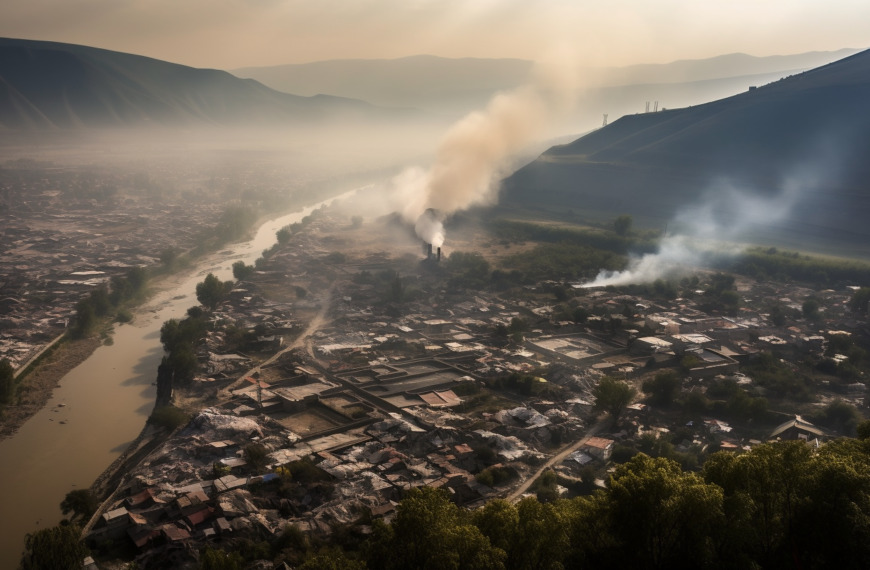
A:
(598, 447)
(442, 399)
(797, 429)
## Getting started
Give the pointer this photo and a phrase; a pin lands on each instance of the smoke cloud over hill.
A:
(473, 154)
(719, 224)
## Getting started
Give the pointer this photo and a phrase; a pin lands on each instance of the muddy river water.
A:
(101, 405)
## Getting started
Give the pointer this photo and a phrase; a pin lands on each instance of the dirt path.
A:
(558, 458)
(302, 340)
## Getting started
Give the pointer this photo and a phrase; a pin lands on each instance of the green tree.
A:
(662, 389)
(663, 517)
(467, 270)
(580, 315)
(541, 539)
(241, 271)
(841, 417)
(831, 525)
(590, 528)
(499, 521)
(777, 314)
(99, 298)
(85, 319)
(429, 532)
(622, 224)
(7, 381)
(283, 235)
(81, 503)
(57, 548)
(332, 559)
(217, 559)
(810, 308)
(212, 291)
(762, 490)
(169, 417)
(612, 396)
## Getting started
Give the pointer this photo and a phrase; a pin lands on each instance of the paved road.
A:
(556, 459)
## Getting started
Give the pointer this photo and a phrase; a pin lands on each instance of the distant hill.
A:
(456, 86)
(56, 85)
(422, 81)
(809, 133)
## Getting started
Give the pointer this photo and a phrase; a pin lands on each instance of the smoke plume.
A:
(712, 229)
(473, 154)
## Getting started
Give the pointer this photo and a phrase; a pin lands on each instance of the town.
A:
(349, 366)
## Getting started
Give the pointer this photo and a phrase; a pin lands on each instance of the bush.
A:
(169, 417)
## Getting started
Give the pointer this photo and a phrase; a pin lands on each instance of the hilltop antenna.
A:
(604, 124)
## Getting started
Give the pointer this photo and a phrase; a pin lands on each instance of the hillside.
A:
(455, 86)
(799, 142)
(48, 84)
(422, 81)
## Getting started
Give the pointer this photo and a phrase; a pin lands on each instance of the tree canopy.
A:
(612, 396)
(211, 291)
(57, 547)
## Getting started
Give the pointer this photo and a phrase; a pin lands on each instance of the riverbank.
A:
(34, 392)
(38, 384)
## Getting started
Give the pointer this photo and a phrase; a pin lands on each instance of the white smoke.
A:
(715, 228)
(474, 153)
(430, 228)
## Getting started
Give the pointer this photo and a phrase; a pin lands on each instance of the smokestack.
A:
(439, 254)
(428, 251)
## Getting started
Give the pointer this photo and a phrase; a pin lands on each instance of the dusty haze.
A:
(239, 33)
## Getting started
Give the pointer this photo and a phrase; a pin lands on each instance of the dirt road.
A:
(556, 459)
(313, 326)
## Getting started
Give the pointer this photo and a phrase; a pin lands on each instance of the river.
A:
(101, 405)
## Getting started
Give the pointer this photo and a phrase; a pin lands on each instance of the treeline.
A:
(780, 505)
(107, 300)
(233, 224)
(618, 240)
(549, 261)
(775, 265)
(180, 338)
(760, 263)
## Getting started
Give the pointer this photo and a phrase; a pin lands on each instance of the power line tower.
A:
(604, 124)
(657, 107)
(647, 107)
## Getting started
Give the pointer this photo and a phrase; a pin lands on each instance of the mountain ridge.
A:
(56, 85)
(463, 84)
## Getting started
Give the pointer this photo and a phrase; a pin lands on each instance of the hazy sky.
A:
(228, 34)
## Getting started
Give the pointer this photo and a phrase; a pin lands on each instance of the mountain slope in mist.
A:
(422, 81)
(800, 142)
(48, 84)
(457, 86)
